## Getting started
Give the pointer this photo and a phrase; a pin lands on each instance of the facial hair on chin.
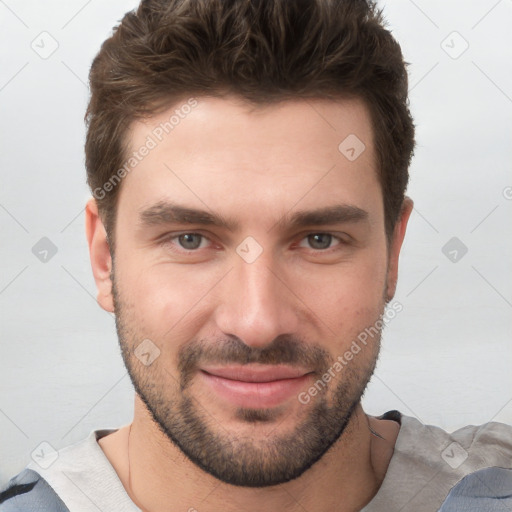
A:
(223, 454)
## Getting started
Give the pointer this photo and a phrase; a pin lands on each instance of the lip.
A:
(255, 386)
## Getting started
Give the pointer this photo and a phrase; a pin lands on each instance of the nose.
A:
(256, 303)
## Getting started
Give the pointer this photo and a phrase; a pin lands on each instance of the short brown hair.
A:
(264, 51)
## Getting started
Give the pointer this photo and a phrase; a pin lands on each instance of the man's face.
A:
(252, 302)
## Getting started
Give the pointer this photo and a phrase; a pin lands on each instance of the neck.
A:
(158, 476)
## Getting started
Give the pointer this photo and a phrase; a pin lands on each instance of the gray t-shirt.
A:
(427, 463)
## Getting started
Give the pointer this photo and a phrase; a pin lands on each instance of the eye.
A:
(320, 241)
(188, 241)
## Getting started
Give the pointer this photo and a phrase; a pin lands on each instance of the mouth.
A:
(255, 386)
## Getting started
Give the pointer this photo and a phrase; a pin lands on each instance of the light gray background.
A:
(446, 358)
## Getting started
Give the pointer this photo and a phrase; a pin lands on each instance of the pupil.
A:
(187, 241)
(316, 240)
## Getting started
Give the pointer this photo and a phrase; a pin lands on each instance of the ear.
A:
(395, 245)
(99, 252)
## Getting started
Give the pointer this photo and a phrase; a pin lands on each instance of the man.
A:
(248, 161)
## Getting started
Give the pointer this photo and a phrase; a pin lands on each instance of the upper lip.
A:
(256, 373)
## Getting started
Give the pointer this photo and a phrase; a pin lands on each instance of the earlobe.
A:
(99, 252)
(395, 246)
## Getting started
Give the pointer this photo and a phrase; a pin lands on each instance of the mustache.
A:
(285, 349)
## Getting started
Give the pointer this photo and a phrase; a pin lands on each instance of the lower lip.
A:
(255, 394)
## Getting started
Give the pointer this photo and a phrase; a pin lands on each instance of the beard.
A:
(248, 461)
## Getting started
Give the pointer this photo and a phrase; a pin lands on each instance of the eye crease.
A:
(319, 241)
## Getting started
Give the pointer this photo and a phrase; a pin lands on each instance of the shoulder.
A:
(429, 462)
(486, 445)
(464, 460)
(29, 491)
(488, 489)
(473, 446)
(54, 480)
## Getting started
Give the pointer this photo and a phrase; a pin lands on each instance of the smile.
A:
(255, 386)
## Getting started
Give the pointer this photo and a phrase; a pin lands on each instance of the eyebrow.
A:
(325, 216)
(165, 212)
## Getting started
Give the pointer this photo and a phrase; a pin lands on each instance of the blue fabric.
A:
(486, 490)
(29, 492)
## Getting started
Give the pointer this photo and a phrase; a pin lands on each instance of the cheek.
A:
(345, 296)
(166, 302)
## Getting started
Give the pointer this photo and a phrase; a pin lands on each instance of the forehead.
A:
(223, 153)
(205, 122)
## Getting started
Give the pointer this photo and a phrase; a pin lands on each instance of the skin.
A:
(256, 166)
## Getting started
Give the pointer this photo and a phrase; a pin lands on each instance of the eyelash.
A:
(169, 239)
